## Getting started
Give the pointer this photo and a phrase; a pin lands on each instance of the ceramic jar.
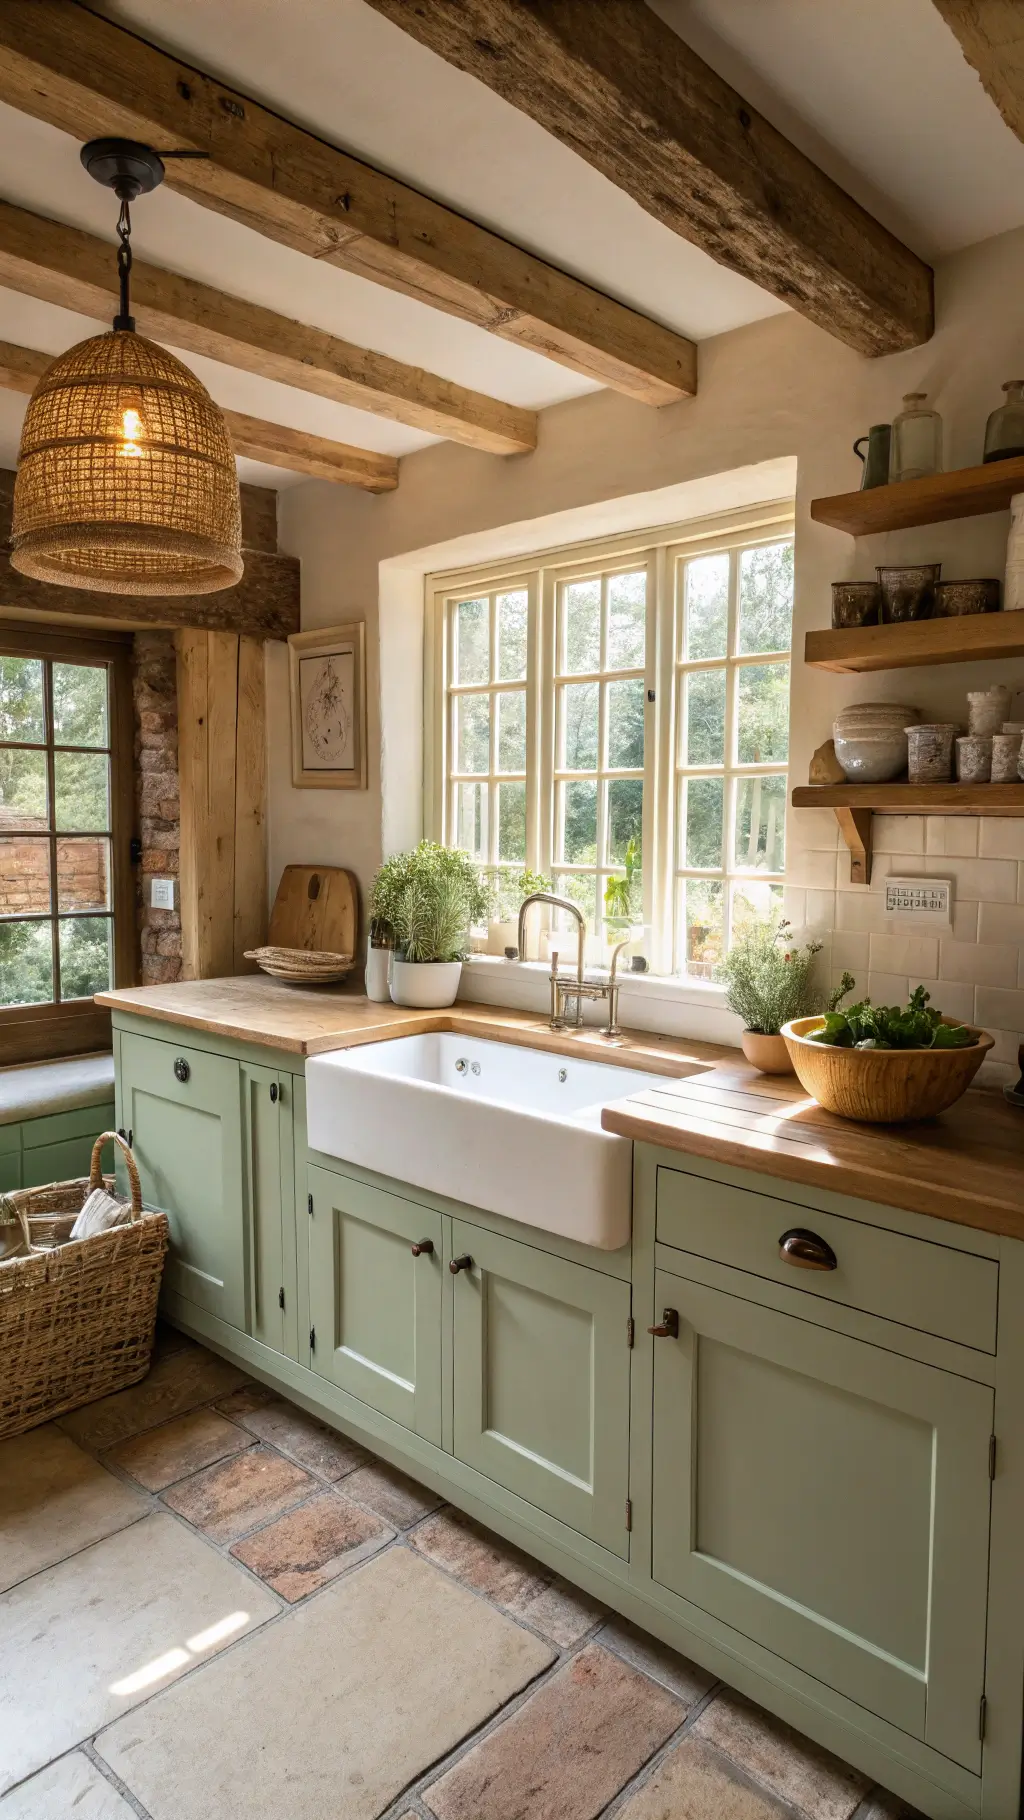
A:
(908, 592)
(930, 752)
(1005, 757)
(856, 603)
(987, 709)
(871, 741)
(954, 599)
(974, 759)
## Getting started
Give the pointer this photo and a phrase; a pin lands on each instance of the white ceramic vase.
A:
(378, 967)
(426, 985)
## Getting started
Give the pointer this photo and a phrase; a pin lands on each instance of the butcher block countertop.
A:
(966, 1166)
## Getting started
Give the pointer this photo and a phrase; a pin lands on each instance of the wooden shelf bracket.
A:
(855, 826)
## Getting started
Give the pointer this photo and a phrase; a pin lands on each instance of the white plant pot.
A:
(378, 968)
(427, 985)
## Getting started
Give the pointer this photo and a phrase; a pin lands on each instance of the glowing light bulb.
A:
(131, 431)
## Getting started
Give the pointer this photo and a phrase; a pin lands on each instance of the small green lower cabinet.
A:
(817, 1491)
(54, 1148)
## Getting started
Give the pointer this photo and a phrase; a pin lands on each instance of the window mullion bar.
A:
(51, 790)
(492, 762)
(731, 738)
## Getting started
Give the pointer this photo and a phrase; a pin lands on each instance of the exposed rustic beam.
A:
(296, 450)
(621, 89)
(63, 64)
(991, 35)
(66, 266)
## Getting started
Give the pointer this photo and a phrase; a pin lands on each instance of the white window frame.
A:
(663, 551)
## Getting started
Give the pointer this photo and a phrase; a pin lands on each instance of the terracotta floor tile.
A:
(814, 1782)
(334, 1710)
(399, 1500)
(696, 1782)
(319, 1448)
(682, 1677)
(175, 1384)
(561, 1613)
(226, 1500)
(311, 1545)
(880, 1806)
(161, 1455)
(55, 1500)
(168, 1339)
(566, 1752)
(241, 1402)
(525, 1588)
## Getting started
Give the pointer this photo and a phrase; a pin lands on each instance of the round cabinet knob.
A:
(423, 1249)
(806, 1250)
(181, 1069)
(668, 1326)
(457, 1264)
(274, 1093)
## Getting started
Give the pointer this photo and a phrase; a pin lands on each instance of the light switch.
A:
(161, 893)
(920, 900)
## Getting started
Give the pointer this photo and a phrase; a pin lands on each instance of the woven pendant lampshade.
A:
(126, 478)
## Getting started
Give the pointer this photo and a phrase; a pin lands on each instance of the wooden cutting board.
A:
(316, 907)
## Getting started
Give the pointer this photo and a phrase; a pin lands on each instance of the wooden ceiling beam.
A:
(276, 443)
(66, 266)
(991, 35)
(62, 63)
(614, 83)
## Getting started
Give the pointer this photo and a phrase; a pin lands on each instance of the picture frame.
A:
(327, 688)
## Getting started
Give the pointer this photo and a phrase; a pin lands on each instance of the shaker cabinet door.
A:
(267, 1132)
(830, 1500)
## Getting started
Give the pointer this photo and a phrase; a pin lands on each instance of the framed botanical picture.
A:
(327, 671)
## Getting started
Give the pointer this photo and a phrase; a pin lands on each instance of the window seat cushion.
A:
(39, 1089)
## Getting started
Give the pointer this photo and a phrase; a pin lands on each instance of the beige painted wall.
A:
(779, 388)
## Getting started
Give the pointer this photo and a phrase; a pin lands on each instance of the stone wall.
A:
(154, 686)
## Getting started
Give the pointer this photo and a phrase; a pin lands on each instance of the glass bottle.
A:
(1004, 431)
(916, 440)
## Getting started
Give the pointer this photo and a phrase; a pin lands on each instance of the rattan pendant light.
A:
(126, 475)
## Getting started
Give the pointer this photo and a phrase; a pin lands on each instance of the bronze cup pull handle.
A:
(806, 1250)
(668, 1327)
(423, 1249)
(457, 1264)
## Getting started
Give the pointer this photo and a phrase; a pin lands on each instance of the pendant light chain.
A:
(124, 318)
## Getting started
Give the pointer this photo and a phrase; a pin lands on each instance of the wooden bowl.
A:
(883, 1086)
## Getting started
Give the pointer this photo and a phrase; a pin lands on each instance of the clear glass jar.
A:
(1004, 431)
(916, 440)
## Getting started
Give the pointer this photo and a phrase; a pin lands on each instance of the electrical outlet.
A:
(927, 902)
(161, 893)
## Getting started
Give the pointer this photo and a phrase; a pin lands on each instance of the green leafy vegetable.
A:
(916, 1026)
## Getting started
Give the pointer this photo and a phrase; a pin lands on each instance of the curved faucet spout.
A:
(558, 903)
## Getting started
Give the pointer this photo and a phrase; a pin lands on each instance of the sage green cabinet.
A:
(541, 1350)
(270, 1215)
(184, 1109)
(375, 1305)
(829, 1499)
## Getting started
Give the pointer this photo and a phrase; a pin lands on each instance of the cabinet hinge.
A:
(309, 1205)
(312, 1339)
(280, 1298)
(992, 1456)
(630, 1331)
(982, 1717)
(629, 1513)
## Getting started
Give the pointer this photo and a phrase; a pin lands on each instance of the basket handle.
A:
(96, 1171)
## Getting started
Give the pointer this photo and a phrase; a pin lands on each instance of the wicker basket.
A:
(77, 1322)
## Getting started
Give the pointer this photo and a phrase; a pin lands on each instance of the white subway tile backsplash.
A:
(813, 869)
(965, 920)
(1020, 883)
(888, 988)
(850, 952)
(794, 905)
(1001, 839)
(994, 880)
(859, 911)
(917, 954)
(1001, 923)
(953, 834)
(996, 1007)
(817, 829)
(820, 912)
(978, 963)
(899, 833)
(1006, 1045)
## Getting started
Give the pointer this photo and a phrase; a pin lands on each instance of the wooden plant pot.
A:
(883, 1086)
(767, 1053)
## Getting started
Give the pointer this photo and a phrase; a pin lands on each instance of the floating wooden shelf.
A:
(966, 640)
(965, 493)
(855, 804)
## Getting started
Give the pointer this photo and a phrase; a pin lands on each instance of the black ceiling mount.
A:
(124, 166)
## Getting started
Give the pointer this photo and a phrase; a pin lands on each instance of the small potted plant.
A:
(426, 900)
(769, 980)
(622, 914)
(506, 888)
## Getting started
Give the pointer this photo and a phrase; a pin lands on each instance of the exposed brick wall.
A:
(154, 685)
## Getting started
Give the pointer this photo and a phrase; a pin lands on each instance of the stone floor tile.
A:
(880, 1805)
(55, 1500)
(161, 1455)
(334, 1710)
(695, 1782)
(480, 1560)
(226, 1500)
(567, 1751)
(241, 1402)
(681, 1676)
(814, 1782)
(561, 1613)
(311, 1545)
(168, 1339)
(72, 1789)
(320, 1449)
(175, 1384)
(88, 1639)
(398, 1499)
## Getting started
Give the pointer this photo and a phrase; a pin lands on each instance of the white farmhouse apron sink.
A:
(513, 1130)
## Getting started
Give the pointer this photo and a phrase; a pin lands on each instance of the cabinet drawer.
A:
(932, 1287)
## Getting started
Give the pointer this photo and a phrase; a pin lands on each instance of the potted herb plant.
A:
(424, 903)
(622, 911)
(769, 980)
(506, 888)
